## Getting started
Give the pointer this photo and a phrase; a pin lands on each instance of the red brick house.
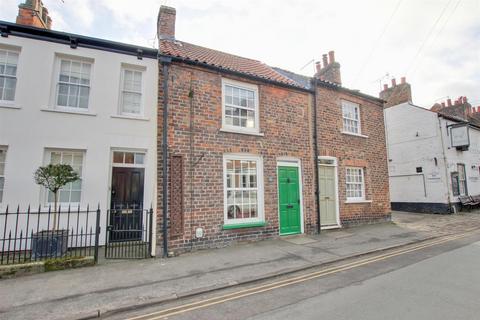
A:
(236, 141)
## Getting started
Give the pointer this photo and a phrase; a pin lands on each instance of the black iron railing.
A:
(33, 235)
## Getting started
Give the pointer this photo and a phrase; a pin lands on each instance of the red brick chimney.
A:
(166, 23)
(32, 13)
(397, 94)
(331, 69)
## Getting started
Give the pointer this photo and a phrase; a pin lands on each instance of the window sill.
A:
(354, 134)
(228, 130)
(70, 112)
(121, 116)
(7, 105)
(358, 201)
(244, 225)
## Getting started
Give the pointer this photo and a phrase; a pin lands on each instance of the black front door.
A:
(126, 209)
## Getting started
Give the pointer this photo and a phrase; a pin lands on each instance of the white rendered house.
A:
(433, 156)
(81, 101)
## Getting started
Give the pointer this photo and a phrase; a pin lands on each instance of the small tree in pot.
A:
(53, 177)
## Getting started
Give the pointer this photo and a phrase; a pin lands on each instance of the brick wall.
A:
(285, 123)
(369, 153)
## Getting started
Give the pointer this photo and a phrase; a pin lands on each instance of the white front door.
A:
(328, 195)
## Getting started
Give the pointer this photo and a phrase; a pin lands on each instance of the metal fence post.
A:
(150, 235)
(97, 234)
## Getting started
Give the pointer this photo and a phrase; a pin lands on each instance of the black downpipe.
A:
(165, 62)
(315, 151)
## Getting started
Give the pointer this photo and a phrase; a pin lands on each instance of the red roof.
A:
(222, 60)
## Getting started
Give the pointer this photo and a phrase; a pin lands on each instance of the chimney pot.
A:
(318, 66)
(403, 80)
(325, 60)
(331, 56)
(385, 86)
(464, 100)
(394, 82)
(33, 13)
(449, 102)
(443, 104)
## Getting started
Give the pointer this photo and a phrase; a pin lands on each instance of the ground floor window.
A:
(355, 184)
(243, 180)
(462, 180)
(3, 158)
(70, 193)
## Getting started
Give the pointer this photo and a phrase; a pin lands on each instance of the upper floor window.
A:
(8, 74)
(240, 106)
(351, 117)
(131, 92)
(355, 184)
(70, 193)
(73, 86)
(3, 157)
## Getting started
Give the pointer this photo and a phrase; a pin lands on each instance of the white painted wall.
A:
(470, 158)
(414, 139)
(30, 128)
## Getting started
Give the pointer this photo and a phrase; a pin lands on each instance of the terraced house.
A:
(249, 151)
(229, 148)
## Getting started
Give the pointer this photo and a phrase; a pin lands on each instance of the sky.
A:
(434, 43)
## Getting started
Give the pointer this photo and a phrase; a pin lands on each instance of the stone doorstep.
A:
(25, 269)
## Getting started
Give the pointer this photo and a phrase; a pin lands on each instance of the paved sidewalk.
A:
(74, 294)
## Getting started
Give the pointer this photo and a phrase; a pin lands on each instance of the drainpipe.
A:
(315, 151)
(165, 61)
(447, 178)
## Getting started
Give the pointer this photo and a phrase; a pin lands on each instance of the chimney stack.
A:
(449, 102)
(166, 23)
(397, 93)
(331, 69)
(32, 13)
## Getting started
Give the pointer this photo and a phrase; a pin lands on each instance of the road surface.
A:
(436, 280)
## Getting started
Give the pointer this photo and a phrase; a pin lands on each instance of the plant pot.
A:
(49, 244)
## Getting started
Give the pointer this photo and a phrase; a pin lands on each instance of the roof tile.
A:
(223, 60)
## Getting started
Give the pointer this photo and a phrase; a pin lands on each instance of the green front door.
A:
(289, 200)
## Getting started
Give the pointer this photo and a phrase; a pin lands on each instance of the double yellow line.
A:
(294, 280)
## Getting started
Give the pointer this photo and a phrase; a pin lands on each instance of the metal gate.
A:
(129, 233)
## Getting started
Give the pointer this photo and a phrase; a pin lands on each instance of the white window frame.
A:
(260, 201)
(362, 184)
(462, 183)
(8, 50)
(347, 104)
(246, 86)
(56, 81)
(132, 68)
(48, 160)
(2, 175)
